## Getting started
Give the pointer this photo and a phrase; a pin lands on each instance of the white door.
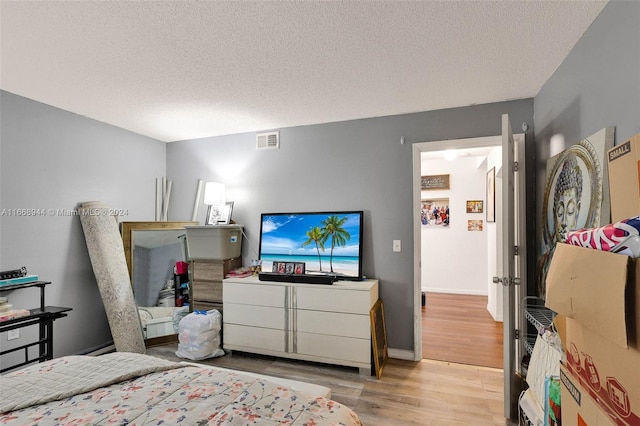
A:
(509, 271)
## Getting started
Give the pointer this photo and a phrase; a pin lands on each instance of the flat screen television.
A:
(328, 243)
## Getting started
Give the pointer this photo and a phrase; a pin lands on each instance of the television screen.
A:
(328, 243)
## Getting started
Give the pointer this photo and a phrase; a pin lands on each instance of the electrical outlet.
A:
(13, 334)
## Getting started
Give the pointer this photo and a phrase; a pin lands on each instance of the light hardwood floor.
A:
(458, 328)
(445, 392)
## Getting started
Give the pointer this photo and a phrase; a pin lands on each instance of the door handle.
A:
(506, 281)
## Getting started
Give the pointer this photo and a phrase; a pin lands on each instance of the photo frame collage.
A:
(288, 268)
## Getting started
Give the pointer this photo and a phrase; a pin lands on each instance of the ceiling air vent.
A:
(268, 140)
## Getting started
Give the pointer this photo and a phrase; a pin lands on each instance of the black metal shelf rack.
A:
(44, 316)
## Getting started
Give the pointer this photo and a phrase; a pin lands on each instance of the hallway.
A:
(458, 328)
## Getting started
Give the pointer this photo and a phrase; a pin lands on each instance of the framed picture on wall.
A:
(475, 206)
(435, 182)
(474, 225)
(491, 195)
(435, 212)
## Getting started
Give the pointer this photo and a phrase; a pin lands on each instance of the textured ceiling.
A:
(176, 70)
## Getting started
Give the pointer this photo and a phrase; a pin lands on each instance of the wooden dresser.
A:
(322, 323)
(206, 282)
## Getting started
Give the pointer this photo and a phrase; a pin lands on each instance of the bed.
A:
(137, 389)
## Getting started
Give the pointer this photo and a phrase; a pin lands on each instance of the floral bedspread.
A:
(187, 395)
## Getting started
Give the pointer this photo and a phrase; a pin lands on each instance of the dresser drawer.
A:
(254, 294)
(255, 316)
(333, 324)
(207, 291)
(335, 300)
(206, 306)
(208, 271)
(253, 339)
(213, 270)
(334, 347)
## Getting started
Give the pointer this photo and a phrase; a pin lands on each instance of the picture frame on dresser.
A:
(379, 337)
(288, 268)
(219, 214)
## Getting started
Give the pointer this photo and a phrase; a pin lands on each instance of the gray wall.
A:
(597, 86)
(352, 165)
(53, 159)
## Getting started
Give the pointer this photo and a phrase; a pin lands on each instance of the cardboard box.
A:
(214, 242)
(578, 409)
(624, 179)
(599, 294)
(609, 373)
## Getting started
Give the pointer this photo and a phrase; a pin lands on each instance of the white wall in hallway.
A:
(454, 259)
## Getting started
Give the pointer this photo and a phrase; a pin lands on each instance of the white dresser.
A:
(314, 322)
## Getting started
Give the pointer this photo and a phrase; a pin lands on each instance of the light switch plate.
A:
(397, 246)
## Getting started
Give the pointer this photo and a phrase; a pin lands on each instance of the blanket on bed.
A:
(72, 375)
(171, 395)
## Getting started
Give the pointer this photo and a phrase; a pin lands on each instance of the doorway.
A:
(509, 275)
(450, 302)
(457, 328)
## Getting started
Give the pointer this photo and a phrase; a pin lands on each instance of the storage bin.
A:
(214, 242)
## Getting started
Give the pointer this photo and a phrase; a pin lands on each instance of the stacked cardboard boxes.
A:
(624, 179)
(597, 295)
(578, 408)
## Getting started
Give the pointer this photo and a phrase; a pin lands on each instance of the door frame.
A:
(417, 150)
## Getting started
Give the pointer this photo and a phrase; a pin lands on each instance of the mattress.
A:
(137, 389)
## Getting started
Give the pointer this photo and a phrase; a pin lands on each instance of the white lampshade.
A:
(214, 193)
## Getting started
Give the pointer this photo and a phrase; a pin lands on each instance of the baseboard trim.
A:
(401, 354)
(456, 291)
(496, 318)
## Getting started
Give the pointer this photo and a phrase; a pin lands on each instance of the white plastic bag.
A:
(199, 335)
(177, 316)
(545, 362)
